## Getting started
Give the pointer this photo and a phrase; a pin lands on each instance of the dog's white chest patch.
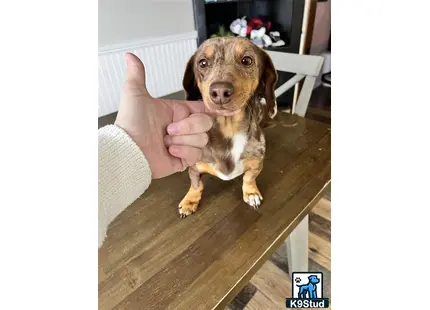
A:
(239, 142)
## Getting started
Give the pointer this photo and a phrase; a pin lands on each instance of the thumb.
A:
(135, 71)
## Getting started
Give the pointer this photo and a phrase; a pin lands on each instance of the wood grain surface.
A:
(152, 259)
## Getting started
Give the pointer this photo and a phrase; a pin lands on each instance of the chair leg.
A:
(304, 97)
(297, 247)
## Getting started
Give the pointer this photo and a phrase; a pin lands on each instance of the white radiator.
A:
(165, 59)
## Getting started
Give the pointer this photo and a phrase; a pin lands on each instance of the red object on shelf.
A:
(257, 23)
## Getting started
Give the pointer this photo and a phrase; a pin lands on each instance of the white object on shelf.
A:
(327, 62)
(325, 68)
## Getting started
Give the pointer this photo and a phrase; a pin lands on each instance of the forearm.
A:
(124, 175)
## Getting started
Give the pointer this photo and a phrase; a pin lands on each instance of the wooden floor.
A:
(320, 105)
(270, 286)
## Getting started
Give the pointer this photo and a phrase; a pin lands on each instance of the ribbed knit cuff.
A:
(124, 174)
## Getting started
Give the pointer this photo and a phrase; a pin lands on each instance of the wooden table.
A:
(152, 259)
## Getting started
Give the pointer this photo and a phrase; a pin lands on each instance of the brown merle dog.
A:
(236, 78)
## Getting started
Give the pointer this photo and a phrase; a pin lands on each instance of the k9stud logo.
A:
(307, 291)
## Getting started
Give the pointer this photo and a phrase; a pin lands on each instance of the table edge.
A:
(229, 296)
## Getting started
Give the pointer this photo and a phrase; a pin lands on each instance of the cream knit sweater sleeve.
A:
(124, 175)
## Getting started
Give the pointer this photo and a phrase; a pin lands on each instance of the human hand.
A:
(145, 119)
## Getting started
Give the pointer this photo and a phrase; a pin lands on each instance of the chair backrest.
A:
(306, 67)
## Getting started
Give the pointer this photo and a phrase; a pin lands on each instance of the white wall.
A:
(122, 21)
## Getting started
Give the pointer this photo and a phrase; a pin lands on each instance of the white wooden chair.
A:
(306, 67)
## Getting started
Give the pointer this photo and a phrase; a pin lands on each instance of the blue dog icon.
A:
(309, 289)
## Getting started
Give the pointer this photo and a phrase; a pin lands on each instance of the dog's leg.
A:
(251, 193)
(190, 202)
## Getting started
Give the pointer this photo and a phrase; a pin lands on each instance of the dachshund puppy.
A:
(237, 79)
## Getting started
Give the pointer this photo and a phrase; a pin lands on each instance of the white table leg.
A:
(297, 247)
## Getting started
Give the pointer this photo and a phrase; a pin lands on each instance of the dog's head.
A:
(226, 72)
(314, 279)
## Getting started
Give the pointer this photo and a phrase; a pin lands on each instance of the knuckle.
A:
(210, 121)
(202, 122)
(199, 155)
(194, 155)
(205, 139)
(177, 150)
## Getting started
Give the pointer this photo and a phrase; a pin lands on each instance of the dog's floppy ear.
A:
(268, 84)
(189, 82)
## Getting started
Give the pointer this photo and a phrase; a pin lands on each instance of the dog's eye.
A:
(203, 63)
(247, 61)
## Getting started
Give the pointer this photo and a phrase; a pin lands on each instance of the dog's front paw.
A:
(253, 198)
(187, 207)
(190, 202)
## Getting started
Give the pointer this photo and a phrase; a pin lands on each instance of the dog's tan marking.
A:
(209, 51)
(206, 168)
(251, 193)
(230, 125)
(190, 202)
(240, 48)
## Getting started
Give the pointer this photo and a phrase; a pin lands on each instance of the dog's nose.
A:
(221, 92)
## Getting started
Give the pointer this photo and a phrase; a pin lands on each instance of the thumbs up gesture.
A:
(170, 133)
